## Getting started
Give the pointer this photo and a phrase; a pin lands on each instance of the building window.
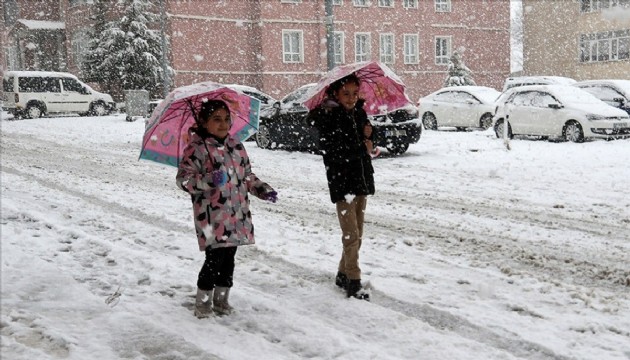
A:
(361, 3)
(292, 46)
(79, 42)
(442, 5)
(291, 1)
(410, 4)
(595, 5)
(387, 48)
(386, 3)
(338, 46)
(362, 47)
(411, 48)
(11, 12)
(11, 56)
(80, 2)
(338, 2)
(442, 50)
(605, 46)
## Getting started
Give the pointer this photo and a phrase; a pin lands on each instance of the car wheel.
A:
(573, 132)
(499, 130)
(486, 121)
(263, 137)
(98, 109)
(34, 111)
(429, 121)
(397, 149)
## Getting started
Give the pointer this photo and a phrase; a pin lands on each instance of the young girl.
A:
(345, 136)
(216, 172)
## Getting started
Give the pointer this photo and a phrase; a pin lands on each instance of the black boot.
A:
(355, 290)
(341, 280)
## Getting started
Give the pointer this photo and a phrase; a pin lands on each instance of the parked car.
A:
(285, 125)
(266, 100)
(613, 92)
(458, 106)
(512, 82)
(558, 111)
(36, 93)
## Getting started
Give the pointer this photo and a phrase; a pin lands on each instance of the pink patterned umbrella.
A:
(381, 88)
(166, 135)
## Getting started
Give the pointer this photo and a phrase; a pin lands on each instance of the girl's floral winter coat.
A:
(222, 216)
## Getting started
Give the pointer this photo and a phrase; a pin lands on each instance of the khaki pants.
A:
(351, 217)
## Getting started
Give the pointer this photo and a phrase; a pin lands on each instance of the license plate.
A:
(620, 125)
(395, 132)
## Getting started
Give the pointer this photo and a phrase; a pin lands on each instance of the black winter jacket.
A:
(348, 165)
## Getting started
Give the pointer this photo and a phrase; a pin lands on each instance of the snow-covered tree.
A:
(458, 73)
(126, 53)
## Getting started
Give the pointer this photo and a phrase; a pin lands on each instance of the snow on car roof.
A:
(564, 93)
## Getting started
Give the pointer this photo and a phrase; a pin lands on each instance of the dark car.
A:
(285, 126)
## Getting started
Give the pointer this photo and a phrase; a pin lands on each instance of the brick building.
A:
(584, 39)
(278, 45)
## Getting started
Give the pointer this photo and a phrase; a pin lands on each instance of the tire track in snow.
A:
(437, 318)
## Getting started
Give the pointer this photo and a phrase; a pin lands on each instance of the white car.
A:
(458, 106)
(513, 82)
(34, 94)
(558, 111)
(613, 92)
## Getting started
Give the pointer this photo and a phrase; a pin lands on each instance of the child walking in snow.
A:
(216, 172)
(345, 136)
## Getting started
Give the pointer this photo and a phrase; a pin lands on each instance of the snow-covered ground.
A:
(473, 252)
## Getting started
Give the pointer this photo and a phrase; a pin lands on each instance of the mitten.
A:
(271, 196)
(219, 177)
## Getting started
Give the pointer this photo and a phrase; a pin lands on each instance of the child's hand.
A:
(369, 145)
(219, 178)
(271, 196)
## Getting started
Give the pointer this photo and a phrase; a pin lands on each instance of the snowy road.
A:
(472, 251)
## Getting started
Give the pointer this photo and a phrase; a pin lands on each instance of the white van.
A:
(35, 93)
(512, 82)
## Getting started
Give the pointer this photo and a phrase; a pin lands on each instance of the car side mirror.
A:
(276, 105)
(85, 91)
(555, 106)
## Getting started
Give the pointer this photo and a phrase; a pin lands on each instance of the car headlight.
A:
(593, 117)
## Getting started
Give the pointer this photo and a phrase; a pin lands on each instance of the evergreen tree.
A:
(126, 54)
(458, 73)
(95, 54)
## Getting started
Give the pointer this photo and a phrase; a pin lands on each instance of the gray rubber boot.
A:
(203, 304)
(220, 303)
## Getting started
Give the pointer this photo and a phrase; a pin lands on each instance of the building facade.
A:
(583, 39)
(279, 45)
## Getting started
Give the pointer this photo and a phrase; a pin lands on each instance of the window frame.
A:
(364, 3)
(337, 2)
(339, 46)
(79, 43)
(367, 53)
(410, 4)
(443, 6)
(604, 46)
(407, 57)
(289, 52)
(290, 1)
(444, 59)
(382, 5)
(387, 58)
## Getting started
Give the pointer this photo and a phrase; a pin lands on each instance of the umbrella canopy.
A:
(166, 135)
(381, 88)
